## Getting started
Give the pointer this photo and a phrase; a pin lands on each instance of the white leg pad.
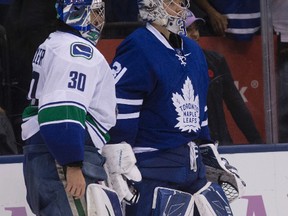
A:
(102, 201)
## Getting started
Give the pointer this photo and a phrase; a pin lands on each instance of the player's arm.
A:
(132, 85)
(102, 110)
(62, 128)
(62, 111)
(204, 136)
(133, 82)
(218, 21)
(120, 164)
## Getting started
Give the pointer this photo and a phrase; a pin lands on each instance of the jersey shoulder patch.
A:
(79, 49)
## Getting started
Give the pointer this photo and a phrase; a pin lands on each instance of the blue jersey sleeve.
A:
(63, 130)
(133, 84)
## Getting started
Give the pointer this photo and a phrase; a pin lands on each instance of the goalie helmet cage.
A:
(5, 91)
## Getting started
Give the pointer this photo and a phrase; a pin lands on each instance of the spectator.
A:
(237, 19)
(280, 24)
(282, 87)
(222, 89)
(8, 144)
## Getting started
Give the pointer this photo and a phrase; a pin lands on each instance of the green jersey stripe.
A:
(90, 119)
(61, 113)
(30, 111)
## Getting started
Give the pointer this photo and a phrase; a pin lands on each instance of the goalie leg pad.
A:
(211, 201)
(102, 201)
(172, 202)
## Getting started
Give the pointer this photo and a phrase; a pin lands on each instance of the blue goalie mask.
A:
(86, 16)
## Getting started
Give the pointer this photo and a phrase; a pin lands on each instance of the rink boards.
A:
(263, 167)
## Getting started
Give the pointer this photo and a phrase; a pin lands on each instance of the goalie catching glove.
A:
(122, 171)
(220, 171)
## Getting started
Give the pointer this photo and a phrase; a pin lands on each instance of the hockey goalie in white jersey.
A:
(162, 127)
(73, 106)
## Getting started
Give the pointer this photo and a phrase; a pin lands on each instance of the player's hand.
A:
(122, 171)
(219, 23)
(75, 182)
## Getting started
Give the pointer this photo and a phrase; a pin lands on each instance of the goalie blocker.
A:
(220, 171)
(122, 171)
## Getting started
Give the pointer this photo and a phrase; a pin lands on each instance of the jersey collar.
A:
(159, 36)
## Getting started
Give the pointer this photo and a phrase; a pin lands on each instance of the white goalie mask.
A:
(86, 16)
(160, 13)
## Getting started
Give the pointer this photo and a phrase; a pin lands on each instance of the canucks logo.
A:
(81, 50)
(187, 107)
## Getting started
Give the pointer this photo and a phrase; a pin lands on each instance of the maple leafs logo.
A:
(187, 107)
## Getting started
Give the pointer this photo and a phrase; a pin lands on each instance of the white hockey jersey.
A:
(74, 87)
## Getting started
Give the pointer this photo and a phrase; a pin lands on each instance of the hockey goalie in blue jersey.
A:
(161, 89)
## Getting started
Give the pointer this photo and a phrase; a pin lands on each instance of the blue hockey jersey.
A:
(161, 92)
(243, 17)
